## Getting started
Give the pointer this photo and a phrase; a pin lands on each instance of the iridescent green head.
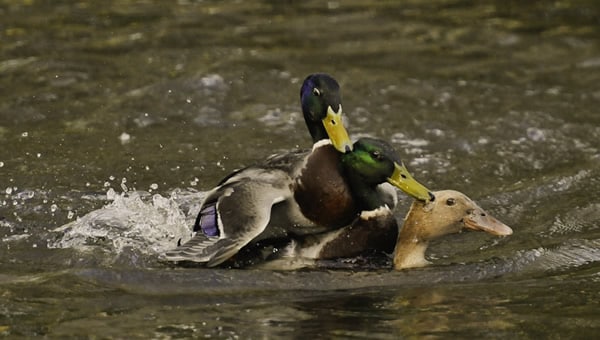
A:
(322, 108)
(373, 161)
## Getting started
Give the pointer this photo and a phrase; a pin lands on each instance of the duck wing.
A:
(234, 214)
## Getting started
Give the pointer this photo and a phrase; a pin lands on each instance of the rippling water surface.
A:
(117, 116)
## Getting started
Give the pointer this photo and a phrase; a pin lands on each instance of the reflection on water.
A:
(154, 103)
(99, 301)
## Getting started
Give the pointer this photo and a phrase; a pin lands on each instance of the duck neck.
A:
(316, 129)
(366, 194)
(411, 245)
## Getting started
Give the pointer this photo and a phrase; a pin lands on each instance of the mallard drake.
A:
(371, 163)
(451, 212)
(296, 193)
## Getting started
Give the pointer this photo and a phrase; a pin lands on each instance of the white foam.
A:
(148, 224)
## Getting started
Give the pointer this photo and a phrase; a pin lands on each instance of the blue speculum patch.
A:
(208, 220)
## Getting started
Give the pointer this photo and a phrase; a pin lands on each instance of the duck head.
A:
(451, 212)
(372, 162)
(322, 109)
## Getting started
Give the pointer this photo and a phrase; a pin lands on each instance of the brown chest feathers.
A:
(321, 191)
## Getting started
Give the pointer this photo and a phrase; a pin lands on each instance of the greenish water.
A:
(160, 100)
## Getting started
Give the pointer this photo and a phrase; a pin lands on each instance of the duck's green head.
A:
(322, 108)
(373, 161)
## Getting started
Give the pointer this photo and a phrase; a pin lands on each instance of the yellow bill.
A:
(403, 180)
(336, 131)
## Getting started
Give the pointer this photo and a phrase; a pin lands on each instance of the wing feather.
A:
(243, 209)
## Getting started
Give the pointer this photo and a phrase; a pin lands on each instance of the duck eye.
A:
(376, 154)
(316, 92)
(450, 201)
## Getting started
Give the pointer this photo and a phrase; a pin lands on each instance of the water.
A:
(116, 117)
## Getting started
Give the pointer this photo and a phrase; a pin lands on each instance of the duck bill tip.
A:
(488, 224)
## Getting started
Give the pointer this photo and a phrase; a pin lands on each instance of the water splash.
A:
(146, 224)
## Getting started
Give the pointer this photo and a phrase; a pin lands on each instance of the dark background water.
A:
(116, 116)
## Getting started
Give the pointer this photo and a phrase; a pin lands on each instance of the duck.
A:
(295, 193)
(451, 212)
(371, 163)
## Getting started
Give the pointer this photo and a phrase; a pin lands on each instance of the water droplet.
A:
(8, 190)
(1, 164)
(123, 186)
(153, 186)
(111, 194)
(39, 155)
(25, 134)
(112, 178)
(125, 138)
(106, 184)
(70, 214)
(53, 208)
(26, 194)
